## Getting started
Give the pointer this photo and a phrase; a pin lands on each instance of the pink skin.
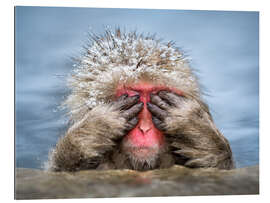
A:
(145, 140)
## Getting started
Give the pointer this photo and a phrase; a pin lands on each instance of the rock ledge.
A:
(175, 181)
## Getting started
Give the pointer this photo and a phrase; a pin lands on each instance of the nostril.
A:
(144, 127)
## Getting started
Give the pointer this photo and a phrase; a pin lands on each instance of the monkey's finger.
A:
(122, 97)
(133, 111)
(119, 100)
(170, 97)
(156, 111)
(131, 123)
(127, 102)
(158, 123)
(155, 99)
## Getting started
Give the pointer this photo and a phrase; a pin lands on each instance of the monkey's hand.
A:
(90, 140)
(128, 108)
(187, 123)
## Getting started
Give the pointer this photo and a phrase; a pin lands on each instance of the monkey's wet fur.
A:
(135, 103)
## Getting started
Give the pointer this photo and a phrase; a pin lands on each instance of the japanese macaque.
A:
(136, 104)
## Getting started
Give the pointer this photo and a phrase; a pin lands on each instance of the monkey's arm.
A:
(191, 131)
(89, 140)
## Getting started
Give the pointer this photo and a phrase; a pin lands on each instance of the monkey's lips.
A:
(143, 153)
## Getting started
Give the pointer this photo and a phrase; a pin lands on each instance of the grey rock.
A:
(175, 181)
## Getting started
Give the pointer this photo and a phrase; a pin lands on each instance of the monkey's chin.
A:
(143, 153)
(143, 158)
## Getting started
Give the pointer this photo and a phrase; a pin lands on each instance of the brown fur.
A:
(87, 141)
(94, 139)
(193, 134)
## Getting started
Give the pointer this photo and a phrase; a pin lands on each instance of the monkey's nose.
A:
(144, 127)
(145, 120)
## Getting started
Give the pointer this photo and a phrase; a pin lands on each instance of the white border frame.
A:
(7, 83)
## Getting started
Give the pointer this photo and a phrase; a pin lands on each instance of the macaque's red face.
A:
(145, 141)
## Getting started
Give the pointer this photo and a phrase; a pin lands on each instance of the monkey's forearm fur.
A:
(193, 135)
(87, 141)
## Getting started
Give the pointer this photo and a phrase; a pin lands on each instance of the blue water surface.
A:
(223, 46)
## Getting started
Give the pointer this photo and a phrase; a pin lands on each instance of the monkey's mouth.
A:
(142, 157)
(143, 153)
